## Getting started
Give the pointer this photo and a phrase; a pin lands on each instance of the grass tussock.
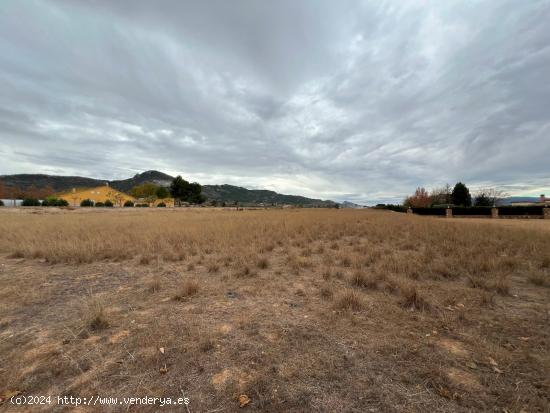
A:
(154, 284)
(349, 300)
(186, 289)
(412, 299)
(540, 280)
(327, 292)
(366, 281)
(95, 315)
(262, 263)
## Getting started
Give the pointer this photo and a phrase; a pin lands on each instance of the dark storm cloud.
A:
(344, 100)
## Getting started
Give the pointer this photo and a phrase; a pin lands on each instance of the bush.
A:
(128, 204)
(30, 202)
(161, 205)
(108, 204)
(87, 203)
(52, 201)
(1, 203)
(99, 204)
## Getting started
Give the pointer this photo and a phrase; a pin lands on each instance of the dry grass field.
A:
(299, 310)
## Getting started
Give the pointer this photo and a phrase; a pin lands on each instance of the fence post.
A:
(546, 212)
(409, 210)
(449, 212)
(494, 212)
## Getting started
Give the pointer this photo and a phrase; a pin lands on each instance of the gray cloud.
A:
(356, 100)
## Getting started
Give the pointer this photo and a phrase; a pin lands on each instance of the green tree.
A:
(183, 191)
(461, 195)
(162, 193)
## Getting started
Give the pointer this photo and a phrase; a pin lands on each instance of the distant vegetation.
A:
(146, 185)
(459, 195)
(87, 203)
(52, 201)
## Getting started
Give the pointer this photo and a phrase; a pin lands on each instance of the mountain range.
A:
(220, 193)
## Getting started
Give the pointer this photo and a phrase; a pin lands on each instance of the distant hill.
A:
(230, 194)
(221, 193)
(57, 183)
(154, 177)
(348, 204)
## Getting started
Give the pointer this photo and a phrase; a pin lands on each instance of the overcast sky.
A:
(352, 100)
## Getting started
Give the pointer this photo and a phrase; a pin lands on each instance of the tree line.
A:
(459, 195)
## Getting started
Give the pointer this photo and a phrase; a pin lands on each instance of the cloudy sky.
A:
(352, 100)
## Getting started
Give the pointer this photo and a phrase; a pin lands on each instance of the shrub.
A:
(161, 205)
(128, 204)
(52, 201)
(87, 203)
(99, 204)
(109, 204)
(30, 202)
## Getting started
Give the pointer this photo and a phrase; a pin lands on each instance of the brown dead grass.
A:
(301, 310)
(187, 288)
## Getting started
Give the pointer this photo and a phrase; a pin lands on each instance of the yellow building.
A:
(97, 194)
(104, 193)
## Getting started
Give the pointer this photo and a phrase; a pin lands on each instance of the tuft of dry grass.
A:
(366, 281)
(245, 272)
(538, 279)
(349, 300)
(412, 299)
(207, 344)
(186, 289)
(94, 314)
(213, 268)
(327, 292)
(262, 263)
(154, 284)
